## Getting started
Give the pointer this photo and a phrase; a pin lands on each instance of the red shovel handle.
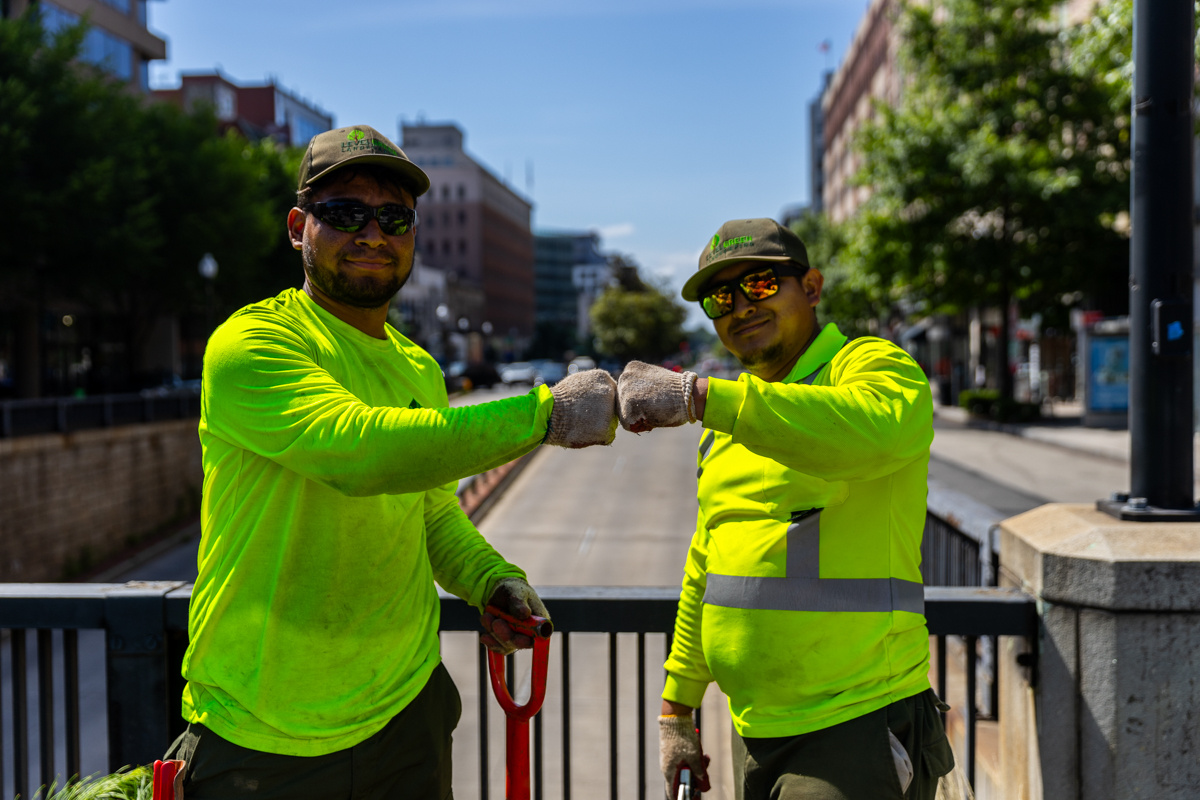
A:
(538, 629)
(164, 779)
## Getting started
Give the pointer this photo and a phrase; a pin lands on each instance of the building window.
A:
(119, 5)
(446, 193)
(462, 218)
(111, 53)
(462, 247)
(462, 191)
(445, 247)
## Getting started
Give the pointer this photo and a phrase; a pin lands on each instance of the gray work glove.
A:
(679, 742)
(585, 410)
(517, 598)
(650, 397)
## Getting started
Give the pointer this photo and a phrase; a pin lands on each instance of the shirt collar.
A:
(818, 354)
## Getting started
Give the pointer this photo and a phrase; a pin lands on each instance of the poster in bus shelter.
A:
(1108, 373)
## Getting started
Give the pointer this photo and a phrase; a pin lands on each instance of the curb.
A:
(1033, 433)
(111, 571)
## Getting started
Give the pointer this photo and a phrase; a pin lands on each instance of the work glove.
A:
(518, 599)
(650, 397)
(585, 410)
(679, 743)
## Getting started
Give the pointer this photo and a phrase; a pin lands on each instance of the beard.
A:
(765, 355)
(359, 291)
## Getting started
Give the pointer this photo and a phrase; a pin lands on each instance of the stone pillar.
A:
(1114, 710)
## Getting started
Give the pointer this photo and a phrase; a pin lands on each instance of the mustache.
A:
(756, 319)
(353, 253)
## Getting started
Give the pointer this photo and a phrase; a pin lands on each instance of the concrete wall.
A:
(1113, 714)
(68, 502)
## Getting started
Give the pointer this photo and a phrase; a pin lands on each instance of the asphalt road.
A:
(1013, 474)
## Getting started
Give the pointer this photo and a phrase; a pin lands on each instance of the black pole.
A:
(1160, 294)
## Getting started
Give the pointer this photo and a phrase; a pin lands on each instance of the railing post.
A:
(139, 707)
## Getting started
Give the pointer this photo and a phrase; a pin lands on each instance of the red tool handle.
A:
(517, 725)
(164, 779)
(533, 626)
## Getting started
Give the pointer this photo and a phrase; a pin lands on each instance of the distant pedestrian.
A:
(328, 514)
(802, 594)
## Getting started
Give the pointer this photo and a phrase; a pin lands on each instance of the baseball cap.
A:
(745, 240)
(359, 144)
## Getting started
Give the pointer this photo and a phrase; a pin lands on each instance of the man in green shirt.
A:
(802, 595)
(328, 511)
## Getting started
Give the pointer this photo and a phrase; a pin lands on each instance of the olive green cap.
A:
(745, 240)
(359, 144)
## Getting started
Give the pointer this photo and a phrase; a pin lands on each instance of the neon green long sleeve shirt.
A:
(328, 512)
(802, 594)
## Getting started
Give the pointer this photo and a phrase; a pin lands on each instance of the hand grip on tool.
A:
(686, 785)
(533, 626)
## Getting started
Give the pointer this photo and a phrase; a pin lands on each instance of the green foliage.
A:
(1004, 173)
(125, 784)
(987, 404)
(851, 297)
(645, 324)
(111, 200)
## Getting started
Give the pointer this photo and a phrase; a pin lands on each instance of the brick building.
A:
(257, 110)
(476, 229)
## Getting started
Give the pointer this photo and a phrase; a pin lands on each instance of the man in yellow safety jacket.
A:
(802, 595)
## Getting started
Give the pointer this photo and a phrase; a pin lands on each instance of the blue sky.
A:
(651, 121)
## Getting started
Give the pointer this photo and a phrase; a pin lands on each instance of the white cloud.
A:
(614, 231)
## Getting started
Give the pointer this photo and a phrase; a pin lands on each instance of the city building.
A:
(869, 73)
(557, 297)
(118, 41)
(476, 229)
(256, 110)
(816, 147)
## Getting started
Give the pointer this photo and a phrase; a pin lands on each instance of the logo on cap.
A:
(716, 241)
(355, 135)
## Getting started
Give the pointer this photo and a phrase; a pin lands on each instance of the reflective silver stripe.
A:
(804, 546)
(706, 443)
(815, 594)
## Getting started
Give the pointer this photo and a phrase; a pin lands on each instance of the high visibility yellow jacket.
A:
(802, 595)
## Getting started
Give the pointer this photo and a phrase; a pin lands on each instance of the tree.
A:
(1002, 176)
(110, 201)
(852, 298)
(644, 324)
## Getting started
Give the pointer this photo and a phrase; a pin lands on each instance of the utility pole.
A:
(1160, 289)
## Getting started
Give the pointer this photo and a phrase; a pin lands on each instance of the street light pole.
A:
(1161, 421)
(208, 271)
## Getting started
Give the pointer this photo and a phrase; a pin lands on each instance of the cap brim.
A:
(691, 289)
(413, 176)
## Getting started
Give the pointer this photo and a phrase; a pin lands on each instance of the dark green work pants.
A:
(409, 757)
(849, 761)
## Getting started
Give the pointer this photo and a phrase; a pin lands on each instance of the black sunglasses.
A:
(758, 284)
(351, 216)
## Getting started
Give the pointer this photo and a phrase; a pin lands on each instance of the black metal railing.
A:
(70, 414)
(134, 664)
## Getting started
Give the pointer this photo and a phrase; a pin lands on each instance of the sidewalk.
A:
(1063, 428)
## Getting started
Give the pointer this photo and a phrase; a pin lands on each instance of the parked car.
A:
(548, 372)
(580, 364)
(518, 372)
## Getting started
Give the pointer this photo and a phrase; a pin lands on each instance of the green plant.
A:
(136, 783)
(978, 402)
